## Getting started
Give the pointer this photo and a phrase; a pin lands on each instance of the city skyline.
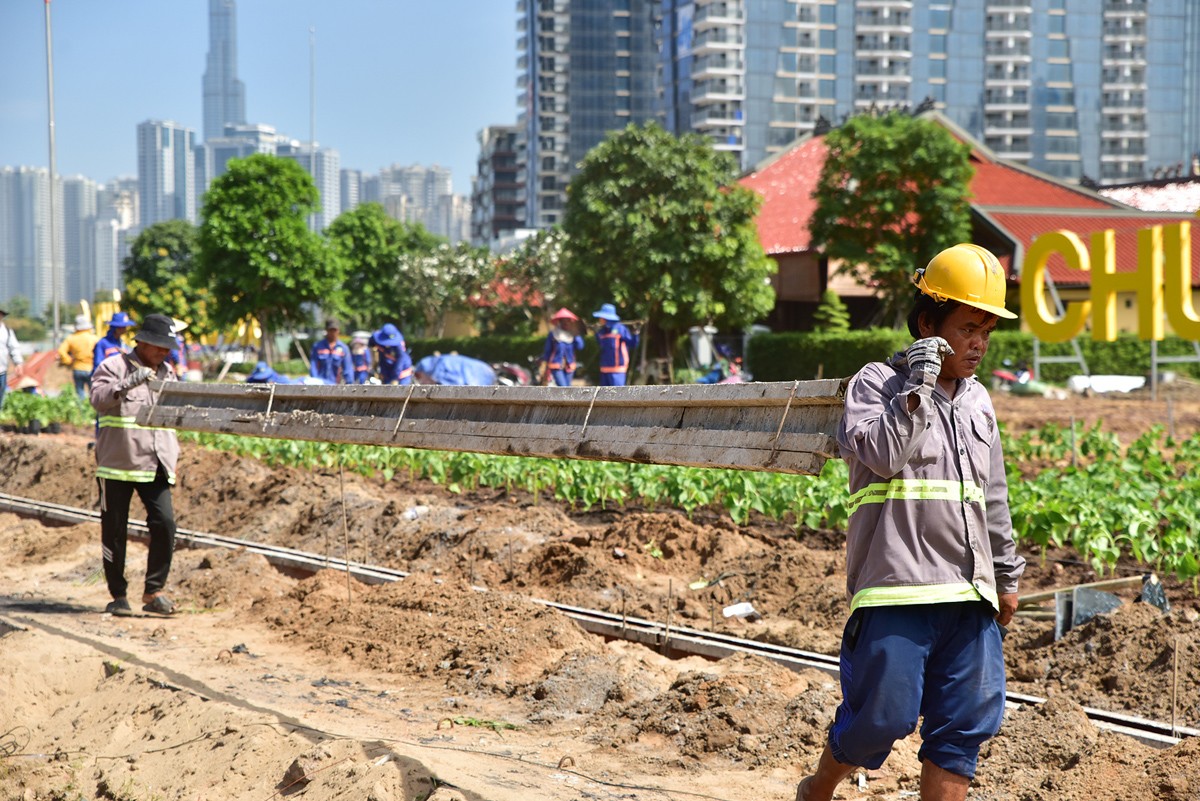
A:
(402, 82)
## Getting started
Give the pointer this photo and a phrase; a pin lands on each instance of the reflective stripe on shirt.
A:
(915, 489)
(132, 476)
(959, 591)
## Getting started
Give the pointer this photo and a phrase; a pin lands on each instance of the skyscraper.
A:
(587, 68)
(224, 94)
(496, 209)
(421, 194)
(166, 172)
(79, 238)
(1107, 89)
(25, 267)
(324, 165)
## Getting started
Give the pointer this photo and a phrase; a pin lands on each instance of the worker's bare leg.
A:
(829, 774)
(942, 785)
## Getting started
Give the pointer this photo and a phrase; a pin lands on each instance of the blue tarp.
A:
(456, 370)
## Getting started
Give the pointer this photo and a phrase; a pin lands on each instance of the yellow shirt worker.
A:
(77, 352)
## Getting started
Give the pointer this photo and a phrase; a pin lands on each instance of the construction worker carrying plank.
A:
(931, 567)
(130, 458)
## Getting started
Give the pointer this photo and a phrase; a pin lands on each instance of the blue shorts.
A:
(942, 662)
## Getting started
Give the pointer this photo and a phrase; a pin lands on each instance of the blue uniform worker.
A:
(561, 344)
(360, 356)
(111, 343)
(616, 342)
(391, 355)
(263, 373)
(330, 358)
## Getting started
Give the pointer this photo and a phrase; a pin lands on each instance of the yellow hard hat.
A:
(968, 274)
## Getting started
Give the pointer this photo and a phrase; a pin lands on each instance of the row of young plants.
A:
(1106, 502)
(24, 410)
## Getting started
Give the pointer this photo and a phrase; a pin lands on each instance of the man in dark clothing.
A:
(130, 458)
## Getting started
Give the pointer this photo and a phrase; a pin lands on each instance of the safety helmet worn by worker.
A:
(968, 274)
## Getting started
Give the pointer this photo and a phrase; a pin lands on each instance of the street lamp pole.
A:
(54, 288)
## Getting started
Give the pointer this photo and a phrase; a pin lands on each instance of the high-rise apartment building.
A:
(324, 165)
(25, 261)
(587, 67)
(166, 172)
(235, 142)
(351, 188)
(1107, 89)
(496, 207)
(421, 194)
(224, 94)
(79, 238)
(113, 232)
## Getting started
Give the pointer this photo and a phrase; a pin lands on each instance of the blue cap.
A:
(389, 336)
(120, 320)
(607, 312)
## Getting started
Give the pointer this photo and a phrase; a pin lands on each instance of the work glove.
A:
(135, 379)
(925, 355)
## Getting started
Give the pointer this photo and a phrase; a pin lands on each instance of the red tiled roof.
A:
(1025, 226)
(786, 185)
(998, 184)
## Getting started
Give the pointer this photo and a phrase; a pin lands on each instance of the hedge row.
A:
(806, 355)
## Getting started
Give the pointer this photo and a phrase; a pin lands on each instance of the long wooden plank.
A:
(780, 427)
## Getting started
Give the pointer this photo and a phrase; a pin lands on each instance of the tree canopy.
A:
(527, 286)
(658, 225)
(256, 252)
(893, 193)
(158, 276)
(444, 280)
(374, 248)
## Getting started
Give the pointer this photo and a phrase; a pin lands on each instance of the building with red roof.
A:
(1011, 206)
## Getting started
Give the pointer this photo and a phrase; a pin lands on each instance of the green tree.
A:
(832, 315)
(374, 248)
(257, 254)
(20, 319)
(527, 287)
(658, 225)
(158, 276)
(893, 193)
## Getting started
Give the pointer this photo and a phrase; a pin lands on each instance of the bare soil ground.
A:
(267, 685)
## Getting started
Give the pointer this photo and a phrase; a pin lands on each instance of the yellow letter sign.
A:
(1164, 271)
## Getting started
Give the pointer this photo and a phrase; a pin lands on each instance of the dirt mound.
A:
(1135, 659)
(471, 640)
(109, 730)
(753, 712)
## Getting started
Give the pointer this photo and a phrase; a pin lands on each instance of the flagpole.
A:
(54, 290)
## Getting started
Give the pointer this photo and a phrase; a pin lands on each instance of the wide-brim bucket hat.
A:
(83, 323)
(389, 336)
(120, 320)
(607, 312)
(157, 330)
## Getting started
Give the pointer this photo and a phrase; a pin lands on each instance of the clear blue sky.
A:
(398, 81)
